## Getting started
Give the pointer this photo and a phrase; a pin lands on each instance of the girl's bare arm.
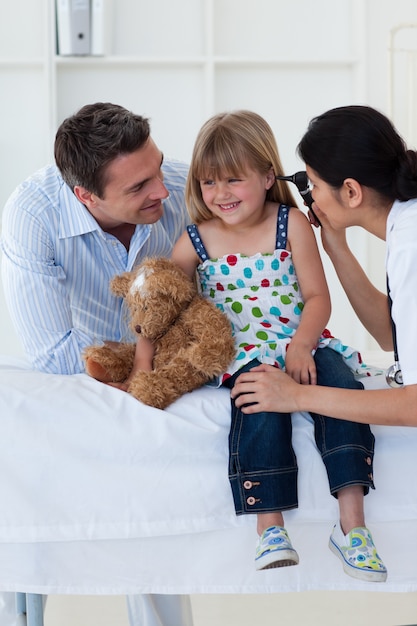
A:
(316, 312)
(185, 256)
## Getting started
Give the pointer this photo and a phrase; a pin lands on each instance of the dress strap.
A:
(194, 235)
(282, 226)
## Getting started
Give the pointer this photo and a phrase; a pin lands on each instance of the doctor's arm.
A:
(267, 388)
(369, 304)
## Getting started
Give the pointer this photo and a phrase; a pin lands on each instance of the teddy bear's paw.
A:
(153, 389)
(213, 360)
(109, 363)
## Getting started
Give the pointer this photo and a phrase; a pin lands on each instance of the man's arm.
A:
(38, 303)
(55, 283)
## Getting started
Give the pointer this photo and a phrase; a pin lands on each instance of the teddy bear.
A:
(192, 338)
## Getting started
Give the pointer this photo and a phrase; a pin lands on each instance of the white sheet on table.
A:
(101, 494)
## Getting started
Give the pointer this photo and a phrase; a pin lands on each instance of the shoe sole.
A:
(283, 558)
(357, 572)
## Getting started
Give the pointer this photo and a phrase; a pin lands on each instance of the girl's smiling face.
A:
(236, 198)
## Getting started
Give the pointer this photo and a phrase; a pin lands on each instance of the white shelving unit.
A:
(403, 79)
(178, 62)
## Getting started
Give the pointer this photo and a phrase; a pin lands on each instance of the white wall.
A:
(179, 62)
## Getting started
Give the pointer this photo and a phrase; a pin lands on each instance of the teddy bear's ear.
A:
(120, 285)
(172, 283)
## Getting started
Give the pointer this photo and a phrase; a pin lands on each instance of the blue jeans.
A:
(262, 463)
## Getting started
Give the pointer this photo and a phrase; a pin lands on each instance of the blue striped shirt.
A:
(57, 264)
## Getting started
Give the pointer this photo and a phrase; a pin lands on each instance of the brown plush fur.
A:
(192, 337)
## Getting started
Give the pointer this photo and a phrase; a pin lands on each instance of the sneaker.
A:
(274, 549)
(358, 554)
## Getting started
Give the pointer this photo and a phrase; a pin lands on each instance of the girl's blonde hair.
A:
(228, 145)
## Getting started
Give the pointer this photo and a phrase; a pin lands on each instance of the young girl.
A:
(257, 259)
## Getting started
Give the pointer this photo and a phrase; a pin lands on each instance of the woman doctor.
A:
(362, 174)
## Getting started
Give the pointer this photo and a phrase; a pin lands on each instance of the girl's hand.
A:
(300, 365)
(265, 388)
(143, 361)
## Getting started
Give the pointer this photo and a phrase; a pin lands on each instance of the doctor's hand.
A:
(265, 388)
(333, 240)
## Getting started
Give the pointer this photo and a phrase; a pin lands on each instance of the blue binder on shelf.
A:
(73, 27)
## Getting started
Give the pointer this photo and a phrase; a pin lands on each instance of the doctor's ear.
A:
(352, 191)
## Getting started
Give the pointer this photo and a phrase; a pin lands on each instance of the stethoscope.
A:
(393, 374)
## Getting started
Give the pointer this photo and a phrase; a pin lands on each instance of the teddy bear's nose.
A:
(138, 329)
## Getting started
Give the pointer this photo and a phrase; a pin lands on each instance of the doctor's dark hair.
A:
(228, 145)
(361, 143)
(88, 141)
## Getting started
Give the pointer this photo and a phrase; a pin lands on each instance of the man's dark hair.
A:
(89, 140)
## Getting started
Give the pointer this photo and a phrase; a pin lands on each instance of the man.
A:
(110, 201)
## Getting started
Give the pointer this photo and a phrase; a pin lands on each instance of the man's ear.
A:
(352, 192)
(85, 196)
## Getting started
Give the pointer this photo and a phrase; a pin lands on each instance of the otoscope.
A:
(300, 180)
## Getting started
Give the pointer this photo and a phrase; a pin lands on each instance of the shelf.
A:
(109, 61)
(21, 63)
(285, 63)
